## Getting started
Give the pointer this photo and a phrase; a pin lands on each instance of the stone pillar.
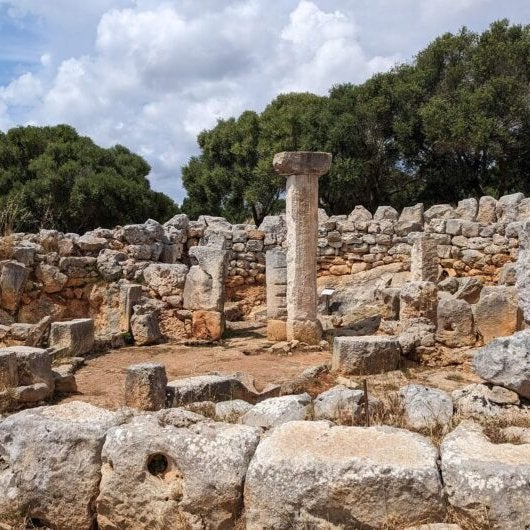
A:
(130, 295)
(145, 386)
(302, 170)
(424, 259)
(276, 281)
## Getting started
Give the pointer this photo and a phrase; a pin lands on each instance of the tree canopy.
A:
(58, 179)
(452, 124)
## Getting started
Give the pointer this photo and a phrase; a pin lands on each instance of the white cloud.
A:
(151, 74)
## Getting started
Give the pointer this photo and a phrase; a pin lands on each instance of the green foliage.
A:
(53, 178)
(455, 123)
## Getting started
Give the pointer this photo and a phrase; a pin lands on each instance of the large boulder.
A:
(455, 323)
(166, 279)
(343, 405)
(505, 361)
(489, 482)
(51, 464)
(155, 475)
(315, 475)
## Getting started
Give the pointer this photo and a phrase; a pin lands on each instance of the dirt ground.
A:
(101, 380)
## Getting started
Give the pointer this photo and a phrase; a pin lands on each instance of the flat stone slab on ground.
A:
(76, 335)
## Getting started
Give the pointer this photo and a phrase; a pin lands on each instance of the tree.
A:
(65, 181)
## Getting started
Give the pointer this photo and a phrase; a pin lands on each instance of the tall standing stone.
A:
(276, 280)
(424, 259)
(302, 170)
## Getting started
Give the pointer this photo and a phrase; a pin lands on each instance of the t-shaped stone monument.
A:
(302, 170)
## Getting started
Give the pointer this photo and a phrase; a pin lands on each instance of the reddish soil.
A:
(101, 380)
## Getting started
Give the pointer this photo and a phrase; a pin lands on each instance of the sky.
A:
(152, 74)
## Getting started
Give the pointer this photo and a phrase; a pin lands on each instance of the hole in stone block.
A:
(157, 464)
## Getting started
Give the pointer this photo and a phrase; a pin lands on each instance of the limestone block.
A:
(480, 401)
(230, 411)
(160, 476)
(455, 323)
(439, 211)
(165, 279)
(12, 281)
(216, 387)
(275, 411)
(359, 213)
(301, 163)
(424, 259)
(386, 212)
(425, 407)
(522, 271)
(277, 330)
(308, 331)
(418, 299)
(496, 313)
(343, 405)
(315, 475)
(410, 220)
(145, 327)
(130, 295)
(145, 386)
(390, 298)
(506, 208)
(508, 274)
(523, 210)
(64, 379)
(469, 289)
(77, 336)
(53, 280)
(52, 463)
(109, 264)
(141, 234)
(91, 244)
(368, 354)
(505, 361)
(482, 478)
(487, 207)
(8, 370)
(207, 325)
(467, 209)
(179, 221)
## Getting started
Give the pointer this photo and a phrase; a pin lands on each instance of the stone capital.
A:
(302, 163)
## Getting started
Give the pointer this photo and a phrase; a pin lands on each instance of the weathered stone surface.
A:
(130, 295)
(109, 264)
(64, 379)
(496, 313)
(522, 269)
(506, 208)
(90, 243)
(145, 386)
(76, 336)
(455, 323)
(216, 387)
(313, 475)
(410, 220)
(418, 299)
(53, 280)
(426, 407)
(301, 163)
(439, 211)
(276, 330)
(386, 212)
(424, 259)
(360, 213)
(467, 209)
(166, 278)
(51, 463)
(487, 210)
(369, 354)
(204, 287)
(469, 289)
(145, 326)
(486, 479)
(275, 411)
(276, 281)
(230, 411)
(12, 281)
(8, 370)
(208, 325)
(342, 405)
(508, 274)
(505, 361)
(159, 476)
(480, 401)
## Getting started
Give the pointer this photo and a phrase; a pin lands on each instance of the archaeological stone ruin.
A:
(409, 407)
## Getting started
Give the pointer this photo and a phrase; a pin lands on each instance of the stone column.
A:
(276, 281)
(424, 259)
(145, 386)
(302, 170)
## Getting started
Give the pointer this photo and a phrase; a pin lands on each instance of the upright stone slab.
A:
(302, 170)
(276, 280)
(12, 281)
(145, 386)
(522, 271)
(130, 295)
(76, 336)
(424, 259)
